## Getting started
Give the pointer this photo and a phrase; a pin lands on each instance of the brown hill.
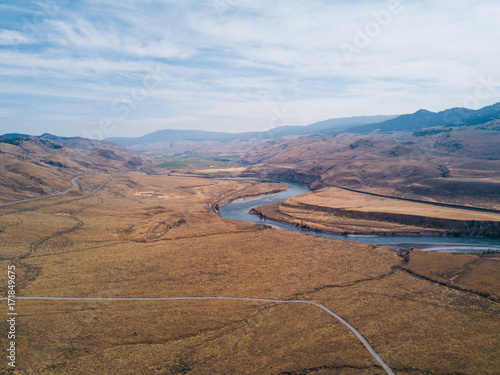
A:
(455, 165)
(35, 166)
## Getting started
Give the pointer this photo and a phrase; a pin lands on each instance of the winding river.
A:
(238, 210)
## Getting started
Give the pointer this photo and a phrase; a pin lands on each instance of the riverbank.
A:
(427, 241)
(338, 211)
(404, 240)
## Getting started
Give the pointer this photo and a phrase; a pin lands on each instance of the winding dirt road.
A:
(339, 318)
(74, 185)
(79, 223)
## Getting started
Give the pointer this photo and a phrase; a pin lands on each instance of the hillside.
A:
(449, 164)
(423, 119)
(36, 166)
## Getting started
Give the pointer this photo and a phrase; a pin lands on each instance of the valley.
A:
(230, 187)
(158, 236)
(126, 263)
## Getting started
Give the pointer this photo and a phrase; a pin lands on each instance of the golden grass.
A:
(472, 272)
(328, 222)
(339, 198)
(232, 171)
(147, 236)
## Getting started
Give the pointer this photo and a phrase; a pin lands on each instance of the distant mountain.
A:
(421, 119)
(425, 119)
(81, 143)
(325, 127)
(14, 135)
(171, 135)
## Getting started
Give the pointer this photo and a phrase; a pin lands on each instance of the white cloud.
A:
(83, 35)
(12, 37)
(228, 64)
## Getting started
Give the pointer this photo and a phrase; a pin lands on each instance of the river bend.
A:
(239, 210)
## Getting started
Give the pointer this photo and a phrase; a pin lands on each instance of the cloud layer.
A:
(127, 68)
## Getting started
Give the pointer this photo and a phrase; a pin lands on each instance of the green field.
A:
(178, 163)
(195, 159)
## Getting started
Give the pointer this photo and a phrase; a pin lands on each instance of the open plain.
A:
(133, 235)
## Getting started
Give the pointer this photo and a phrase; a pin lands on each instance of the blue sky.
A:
(126, 68)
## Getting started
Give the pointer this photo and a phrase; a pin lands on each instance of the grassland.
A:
(348, 200)
(178, 163)
(157, 236)
(229, 157)
(471, 272)
(216, 165)
(219, 171)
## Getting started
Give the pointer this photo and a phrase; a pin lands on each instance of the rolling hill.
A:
(454, 165)
(36, 166)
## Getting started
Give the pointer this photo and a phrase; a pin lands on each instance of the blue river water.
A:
(238, 210)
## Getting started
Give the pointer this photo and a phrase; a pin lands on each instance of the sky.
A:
(101, 69)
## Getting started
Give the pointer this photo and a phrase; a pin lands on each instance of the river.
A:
(238, 210)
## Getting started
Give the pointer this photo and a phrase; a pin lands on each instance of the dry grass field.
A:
(348, 200)
(341, 211)
(133, 235)
(230, 171)
(473, 272)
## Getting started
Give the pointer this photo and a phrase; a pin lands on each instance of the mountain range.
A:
(171, 135)
(425, 119)
(421, 119)
(417, 121)
(452, 154)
